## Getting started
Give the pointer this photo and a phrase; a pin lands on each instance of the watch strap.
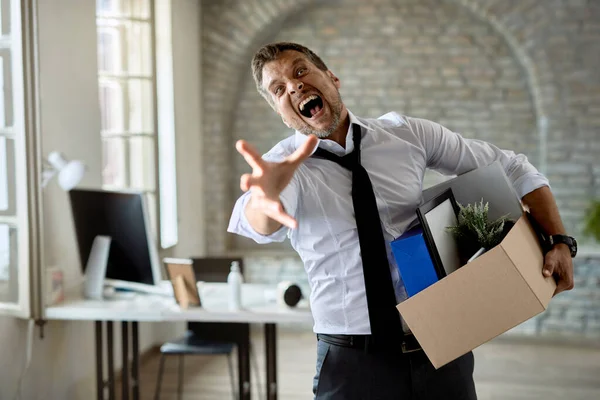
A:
(553, 240)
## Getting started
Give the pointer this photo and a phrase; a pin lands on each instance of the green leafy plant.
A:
(592, 221)
(474, 231)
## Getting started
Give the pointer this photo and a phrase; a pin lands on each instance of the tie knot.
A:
(349, 161)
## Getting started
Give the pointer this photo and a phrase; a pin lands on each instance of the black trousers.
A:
(348, 373)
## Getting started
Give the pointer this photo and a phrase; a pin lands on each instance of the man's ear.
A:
(334, 79)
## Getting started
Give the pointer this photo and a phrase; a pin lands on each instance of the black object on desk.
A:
(122, 216)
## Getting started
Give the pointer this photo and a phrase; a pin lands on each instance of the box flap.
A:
(469, 307)
(523, 248)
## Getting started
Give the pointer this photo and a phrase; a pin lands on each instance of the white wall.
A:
(63, 365)
(188, 127)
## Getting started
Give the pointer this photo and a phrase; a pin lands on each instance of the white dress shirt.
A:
(395, 150)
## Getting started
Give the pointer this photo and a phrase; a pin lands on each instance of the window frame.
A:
(162, 176)
(21, 46)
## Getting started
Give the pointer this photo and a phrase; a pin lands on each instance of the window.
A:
(136, 154)
(8, 220)
(14, 206)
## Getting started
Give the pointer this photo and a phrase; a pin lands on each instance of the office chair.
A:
(207, 338)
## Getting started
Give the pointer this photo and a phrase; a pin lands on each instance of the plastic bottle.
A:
(234, 281)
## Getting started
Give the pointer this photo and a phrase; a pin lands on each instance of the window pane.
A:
(168, 186)
(111, 106)
(109, 51)
(152, 213)
(3, 176)
(9, 271)
(141, 107)
(114, 170)
(6, 107)
(139, 49)
(124, 8)
(5, 17)
(109, 7)
(141, 163)
(140, 9)
(7, 177)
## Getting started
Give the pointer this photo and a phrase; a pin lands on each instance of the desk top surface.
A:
(259, 305)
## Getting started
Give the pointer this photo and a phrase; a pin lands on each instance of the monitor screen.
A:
(122, 216)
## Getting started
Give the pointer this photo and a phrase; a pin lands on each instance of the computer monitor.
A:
(133, 260)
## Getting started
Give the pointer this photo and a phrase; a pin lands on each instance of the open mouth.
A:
(310, 106)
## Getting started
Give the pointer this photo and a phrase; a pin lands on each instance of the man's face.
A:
(306, 98)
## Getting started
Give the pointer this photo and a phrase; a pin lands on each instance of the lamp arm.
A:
(48, 172)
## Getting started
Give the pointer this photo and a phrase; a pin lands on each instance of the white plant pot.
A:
(477, 254)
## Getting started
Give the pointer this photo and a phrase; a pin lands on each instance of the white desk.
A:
(154, 308)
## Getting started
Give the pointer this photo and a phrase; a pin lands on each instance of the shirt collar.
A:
(300, 138)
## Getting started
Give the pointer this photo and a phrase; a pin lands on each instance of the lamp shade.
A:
(70, 173)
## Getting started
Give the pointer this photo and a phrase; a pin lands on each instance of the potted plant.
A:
(474, 233)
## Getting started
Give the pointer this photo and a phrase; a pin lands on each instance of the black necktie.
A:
(383, 315)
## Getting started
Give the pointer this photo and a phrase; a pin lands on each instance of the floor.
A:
(504, 370)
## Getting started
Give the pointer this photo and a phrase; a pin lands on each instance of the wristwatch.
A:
(568, 240)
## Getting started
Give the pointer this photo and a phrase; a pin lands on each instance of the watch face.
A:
(572, 243)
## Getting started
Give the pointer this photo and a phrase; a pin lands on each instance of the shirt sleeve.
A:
(451, 154)
(239, 224)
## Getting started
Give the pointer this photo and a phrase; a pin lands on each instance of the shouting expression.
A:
(306, 97)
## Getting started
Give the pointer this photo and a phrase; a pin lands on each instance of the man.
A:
(312, 187)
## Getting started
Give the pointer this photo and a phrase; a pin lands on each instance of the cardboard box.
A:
(481, 300)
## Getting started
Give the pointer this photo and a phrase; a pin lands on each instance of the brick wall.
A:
(521, 74)
(576, 312)
(446, 66)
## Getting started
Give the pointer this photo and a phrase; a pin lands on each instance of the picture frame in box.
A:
(180, 272)
(435, 216)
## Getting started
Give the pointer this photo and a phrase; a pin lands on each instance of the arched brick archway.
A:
(229, 40)
(533, 60)
(232, 30)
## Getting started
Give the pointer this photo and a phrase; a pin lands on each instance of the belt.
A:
(408, 343)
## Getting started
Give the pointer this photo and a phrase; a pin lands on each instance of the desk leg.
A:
(244, 363)
(111, 364)
(125, 355)
(271, 359)
(135, 370)
(99, 366)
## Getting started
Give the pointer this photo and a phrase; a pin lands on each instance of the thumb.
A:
(304, 151)
(549, 267)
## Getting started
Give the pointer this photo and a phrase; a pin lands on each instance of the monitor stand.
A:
(93, 287)
(97, 287)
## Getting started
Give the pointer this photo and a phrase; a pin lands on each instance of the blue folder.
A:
(414, 262)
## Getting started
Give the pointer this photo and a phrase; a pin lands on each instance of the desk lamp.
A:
(70, 173)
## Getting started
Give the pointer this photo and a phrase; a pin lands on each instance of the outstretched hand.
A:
(268, 179)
